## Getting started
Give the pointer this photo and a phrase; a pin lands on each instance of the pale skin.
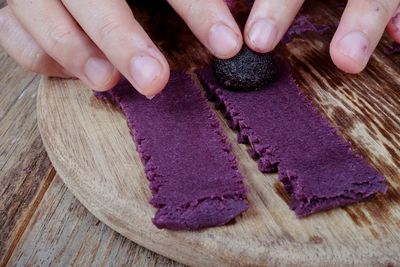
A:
(98, 40)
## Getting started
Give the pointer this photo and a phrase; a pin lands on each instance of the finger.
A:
(360, 29)
(23, 49)
(61, 38)
(393, 28)
(111, 25)
(268, 22)
(212, 23)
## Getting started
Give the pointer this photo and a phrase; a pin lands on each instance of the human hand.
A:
(95, 40)
(360, 29)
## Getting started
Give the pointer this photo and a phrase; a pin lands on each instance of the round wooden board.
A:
(89, 144)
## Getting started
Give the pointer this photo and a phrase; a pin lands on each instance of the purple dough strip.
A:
(193, 175)
(286, 133)
(303, 24)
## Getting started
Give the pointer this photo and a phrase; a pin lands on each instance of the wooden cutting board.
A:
(90, 146)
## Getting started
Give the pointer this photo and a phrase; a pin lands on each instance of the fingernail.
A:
(262, 35)
(150, 97)
(145, 70)
(223, 40)
(98, 70)
(355, 45)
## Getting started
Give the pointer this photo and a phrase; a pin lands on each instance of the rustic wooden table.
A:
(41, 222)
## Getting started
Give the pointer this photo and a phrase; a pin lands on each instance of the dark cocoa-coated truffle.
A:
(246, 71)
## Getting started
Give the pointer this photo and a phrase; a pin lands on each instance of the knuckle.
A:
(60, 37)
(108, 28)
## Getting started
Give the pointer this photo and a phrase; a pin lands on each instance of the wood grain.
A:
(14, 80)
(63, 233)
(25, 169)
(26, 175)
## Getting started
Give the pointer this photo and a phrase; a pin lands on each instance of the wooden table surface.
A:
(41, 222)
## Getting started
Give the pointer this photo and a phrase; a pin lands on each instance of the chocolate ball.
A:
(246, 71)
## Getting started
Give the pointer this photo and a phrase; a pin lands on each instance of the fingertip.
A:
(213, 24)
(261, 36)
(224, 42)
(111, 83)
(351, 50)
(259, 50)
(148, 73)
(232, 52)
(159, 85)
(360, 30)
(344, 62)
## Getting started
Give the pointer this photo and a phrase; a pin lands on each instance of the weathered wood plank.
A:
(63, 233)
(25, 170)
(13, 81)
(25, 175)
